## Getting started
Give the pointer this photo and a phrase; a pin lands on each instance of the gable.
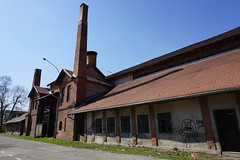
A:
(63, 77)
(38, 90)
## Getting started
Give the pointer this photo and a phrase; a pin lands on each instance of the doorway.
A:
(228, 130)
(79, 126)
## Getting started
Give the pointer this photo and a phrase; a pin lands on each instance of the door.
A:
(228, 130)
(79, 126)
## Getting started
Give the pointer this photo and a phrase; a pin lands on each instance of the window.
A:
(60, 125)
(40, 113)
(33, 104)
(125, 124)
(98, 125)
(143, 125)
(164, 123)
(62, 93)
(69, 88)
(111, 125)
(65, 124)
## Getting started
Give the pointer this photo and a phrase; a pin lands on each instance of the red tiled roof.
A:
(216, 73)
(17, 119)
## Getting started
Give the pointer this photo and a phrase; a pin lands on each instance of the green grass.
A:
(144, 151)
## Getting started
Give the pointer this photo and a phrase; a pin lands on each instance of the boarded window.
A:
(110, 125)
(62, 94)
(69, 88)
(98, 125)
(143, 125)
(125, 124)
(164, 123)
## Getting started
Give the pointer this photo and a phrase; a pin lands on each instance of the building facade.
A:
(15, 126)
(187, 99)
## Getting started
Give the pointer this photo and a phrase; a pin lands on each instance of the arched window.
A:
(60, 125)
(62, 94)
(33, 102)
(69, 88)
(65, 125)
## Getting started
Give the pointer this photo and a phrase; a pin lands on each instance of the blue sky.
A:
(124, 33)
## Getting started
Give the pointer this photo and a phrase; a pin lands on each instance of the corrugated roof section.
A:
(216, 73)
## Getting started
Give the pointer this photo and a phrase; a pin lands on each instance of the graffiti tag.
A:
(199, 124)
(189, 130)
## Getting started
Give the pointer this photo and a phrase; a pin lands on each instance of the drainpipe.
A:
(50, 104)
(56, 117)
(35, 129)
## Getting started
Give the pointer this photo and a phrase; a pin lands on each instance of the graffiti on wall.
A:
(199, 124)
(189, 129)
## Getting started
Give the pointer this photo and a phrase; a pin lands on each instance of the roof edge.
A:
(180, 51)
(162, 100)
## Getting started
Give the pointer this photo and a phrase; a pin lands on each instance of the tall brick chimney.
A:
(37, 77)
(80, 68)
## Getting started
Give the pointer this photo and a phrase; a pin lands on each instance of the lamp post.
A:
(57, 98)
(51, 64)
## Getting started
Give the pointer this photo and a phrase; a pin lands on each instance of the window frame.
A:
(166, 118)
(98, 126)
(65, 125)
(125, 126)
(60, 126)
(111, 125)
(63, 94)
(143, 124)
(69, 89)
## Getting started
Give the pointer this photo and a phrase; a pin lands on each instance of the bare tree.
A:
(11, 98)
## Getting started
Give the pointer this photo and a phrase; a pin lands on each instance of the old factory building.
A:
(188, 99)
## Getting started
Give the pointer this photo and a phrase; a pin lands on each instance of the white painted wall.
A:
(181, 110)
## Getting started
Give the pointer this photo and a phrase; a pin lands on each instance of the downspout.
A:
(48, 121)
(35, 128)
(56, 117)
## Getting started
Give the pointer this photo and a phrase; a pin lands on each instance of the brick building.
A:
(189, 98)
(15, 126)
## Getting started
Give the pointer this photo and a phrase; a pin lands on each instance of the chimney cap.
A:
(91, 53)
(83, 4)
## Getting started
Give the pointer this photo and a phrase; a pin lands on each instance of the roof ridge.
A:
(186, 65)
